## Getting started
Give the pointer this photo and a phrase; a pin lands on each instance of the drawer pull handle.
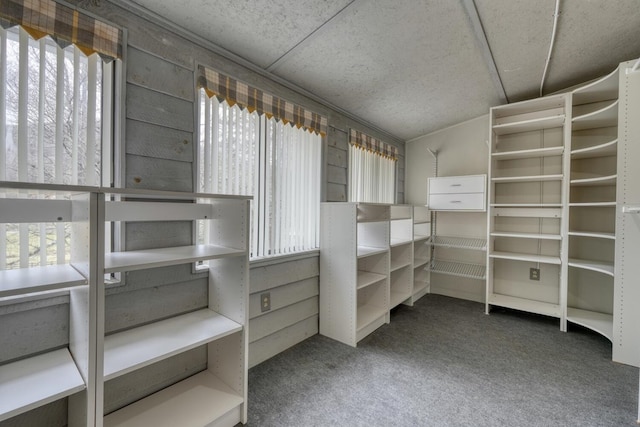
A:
(456, 185)
(456, 201)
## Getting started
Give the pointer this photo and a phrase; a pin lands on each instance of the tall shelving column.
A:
(217, 395)
(592, 205)
(528, 182)
(626, 342)
(401, 253)
(34, 380)
(354, 270)
(421, 252)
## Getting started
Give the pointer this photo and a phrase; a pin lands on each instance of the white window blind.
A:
(278, 164)
(51, 116)
(372, 177)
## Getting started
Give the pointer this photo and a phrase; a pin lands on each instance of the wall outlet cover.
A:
(265, 302)
(534, 274)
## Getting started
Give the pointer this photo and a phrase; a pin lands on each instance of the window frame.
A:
(262, 172)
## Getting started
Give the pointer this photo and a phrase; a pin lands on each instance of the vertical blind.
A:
(372, 169)
(51, 110)
(242, 152)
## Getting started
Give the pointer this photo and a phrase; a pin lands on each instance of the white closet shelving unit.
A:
(217, 395)
(592, 205)
(355, 263)
(528, 179)
(421, 252)
(401, 254)
(39, 379)
(457, 194)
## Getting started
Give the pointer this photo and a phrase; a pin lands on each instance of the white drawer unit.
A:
(453, 193)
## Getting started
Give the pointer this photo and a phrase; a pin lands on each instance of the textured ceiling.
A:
(410, 67)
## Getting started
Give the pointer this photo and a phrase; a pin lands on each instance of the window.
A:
(372, 169)
(55, 115)
(243, 152)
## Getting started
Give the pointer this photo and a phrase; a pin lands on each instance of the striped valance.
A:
(369, 143)
(234, 92)
(64, 24)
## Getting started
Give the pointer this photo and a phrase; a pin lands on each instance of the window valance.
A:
(64, 24)
(235, 92)
(369, 143)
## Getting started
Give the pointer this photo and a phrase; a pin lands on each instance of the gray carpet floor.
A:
(444, 362)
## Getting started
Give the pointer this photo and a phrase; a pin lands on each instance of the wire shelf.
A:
(471, 271)
(460, 243)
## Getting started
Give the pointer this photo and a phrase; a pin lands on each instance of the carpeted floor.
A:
(444, 362)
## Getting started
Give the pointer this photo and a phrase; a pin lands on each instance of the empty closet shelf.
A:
(135, 348)
(30, 383)
(366, 278)
(524, 304)
(38, 279)
(460, 242)
(199, 400)
(150, 258)
(545, 259)
(471, 271)
(601, 323)
(364, 251)
(598, 266)
(527, 154)
(529, 125)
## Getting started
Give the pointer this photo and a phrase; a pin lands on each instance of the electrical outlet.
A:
(534, 274)
(265, 302)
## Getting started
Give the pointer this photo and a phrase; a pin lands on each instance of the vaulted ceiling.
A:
(414, 66)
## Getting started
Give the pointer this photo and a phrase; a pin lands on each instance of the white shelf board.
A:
(603, 89)
(595, 235)
(531, 178)
(420, 262)
(545, 259)
(38, 279)
(366, 278)
(594, 180)
(523, 304)
(398, 264)
(30, 383)
(601, 150)
(419, 286)
(598, 266)
(541, 236)
(592, 204)
(599, 322)
(529, 125)
(421, 221)
(132, 349)
(460, 242)
(419, 237)
(196, 401)
(398, 298)
(459, 269)
(604, 117)
(367, 314)
(365, 251)
(527, 154)
(400, 242)
(151, 258)
(526, 205)
(528, 211)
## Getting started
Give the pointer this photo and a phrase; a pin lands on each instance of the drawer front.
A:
(455, 202)
(457, 184)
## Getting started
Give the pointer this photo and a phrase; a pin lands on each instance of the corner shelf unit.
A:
(528, 176)
(592, 205)
(221, 327)
(217, 395)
